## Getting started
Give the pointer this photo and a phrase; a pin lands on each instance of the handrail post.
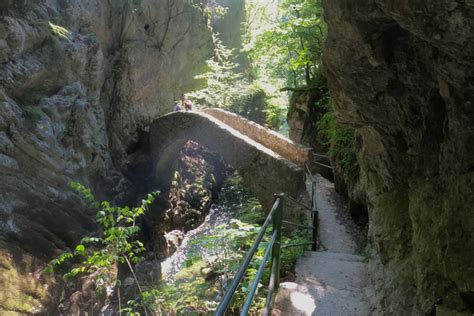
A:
(276, 251)
(226, 300)
(315, 217)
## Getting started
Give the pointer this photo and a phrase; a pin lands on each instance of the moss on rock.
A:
(21, 293)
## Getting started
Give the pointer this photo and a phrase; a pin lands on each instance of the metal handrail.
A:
(320, 155)
(298, 225)
(309, 171)
(258, 277)
(314, 211)
(275, 216)
(318, 163)
(322, 164)
(274, 249)
(297, 202)
(315, 215)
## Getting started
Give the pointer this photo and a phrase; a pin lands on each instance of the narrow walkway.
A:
(332, 281)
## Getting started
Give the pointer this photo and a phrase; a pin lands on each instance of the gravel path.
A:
(337, 231)
(333, 280)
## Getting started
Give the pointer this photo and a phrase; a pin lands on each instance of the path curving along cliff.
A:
(265, 168)
(333, 280)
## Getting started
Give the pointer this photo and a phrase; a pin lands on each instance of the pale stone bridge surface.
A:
(268, 162)
(267, 137)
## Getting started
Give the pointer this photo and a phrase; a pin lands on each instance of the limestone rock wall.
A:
(78, 79)
(401, 73)
(299, 119)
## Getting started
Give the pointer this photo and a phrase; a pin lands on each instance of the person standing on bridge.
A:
(187, 104)
(177, 107)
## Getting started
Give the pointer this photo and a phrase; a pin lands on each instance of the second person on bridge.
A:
(187, 104)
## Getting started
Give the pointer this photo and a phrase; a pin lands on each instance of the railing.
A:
(314, 209)
(272, 250)
(275, 217)
(313, 190)
(320, 163)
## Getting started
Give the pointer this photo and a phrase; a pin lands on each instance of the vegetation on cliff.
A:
(116, 244)
(339, 139)
(288, 51)
(214, 259)
(209, 268)
(230, 81)
(288, 43)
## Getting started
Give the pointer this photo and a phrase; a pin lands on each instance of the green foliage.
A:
(252, 212)
(21, 292)
(275, 115)
(210, 8)
(250, 102)
(223, 83)
(210, 268)
(283, 40)
(291, 48)
(33, 112)
(116, 243)
(236, 196)
(214, 259)
(289, 255)
(339, 138)
(227, 88)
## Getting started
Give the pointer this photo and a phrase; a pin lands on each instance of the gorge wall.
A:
(402, 74)
(78, 81)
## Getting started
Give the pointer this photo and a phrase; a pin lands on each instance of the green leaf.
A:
(80, 250)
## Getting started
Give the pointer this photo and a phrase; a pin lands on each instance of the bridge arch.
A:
(264, 171)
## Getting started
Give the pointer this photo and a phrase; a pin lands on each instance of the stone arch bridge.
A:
(268, 162)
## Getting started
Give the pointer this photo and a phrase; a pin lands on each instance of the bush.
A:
(339, 138)
(275, 115)
(214, 260)
(116, 244)
(34, 113)
(249, 102)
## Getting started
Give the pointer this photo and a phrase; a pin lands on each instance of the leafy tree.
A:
(291, 48)
(222, 81)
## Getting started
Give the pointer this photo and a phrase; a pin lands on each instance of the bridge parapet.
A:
(288, 149)
(263, 170)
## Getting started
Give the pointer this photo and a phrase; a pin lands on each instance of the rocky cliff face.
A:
(78, 80)
(302, 115)
(401, 73)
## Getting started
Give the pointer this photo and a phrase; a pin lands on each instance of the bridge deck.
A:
(263, 167)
